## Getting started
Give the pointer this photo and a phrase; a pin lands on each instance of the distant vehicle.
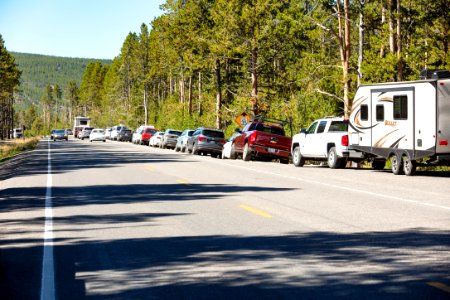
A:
(124, 135)
(263, 139)
(325, 139)
(108, 133)
(17, 133)
(169, 139)
(226, 151)
(182, 140)
(206, 141)
(79, 123)
(155, 140)
(97, 134)
(115, 131)
(84, 134)
(69, 131)
(59, 134)
(52, 133)
(143, 134)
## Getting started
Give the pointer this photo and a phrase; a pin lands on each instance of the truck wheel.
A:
(297, 157)
(334, 161)
(396, 164)
(233, 152)
(409, 166)
(246, 155)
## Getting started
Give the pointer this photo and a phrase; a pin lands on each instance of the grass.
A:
(10, 148)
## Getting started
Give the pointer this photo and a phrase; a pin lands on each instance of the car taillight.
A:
(344, 140)
(443, 143)
(222, 141)
(202, 139)
(252, 137)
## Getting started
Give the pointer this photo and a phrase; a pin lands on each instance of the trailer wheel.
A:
(396, 164)
(297, 157)
(409, 166)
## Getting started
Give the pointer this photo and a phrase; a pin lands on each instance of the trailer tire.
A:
(297, 158)
(396, 164)
(409, 166)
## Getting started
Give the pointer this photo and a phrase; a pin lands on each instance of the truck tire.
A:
(334, 162)
(233, 152)
(409, 166)
(247, 154)
(297, 157)
(396, 164)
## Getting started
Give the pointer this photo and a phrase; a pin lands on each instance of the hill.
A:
(40, 70)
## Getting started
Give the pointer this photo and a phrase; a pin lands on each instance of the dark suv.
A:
(124, 135)
(206, 140)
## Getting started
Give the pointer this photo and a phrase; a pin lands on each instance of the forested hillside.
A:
(204, 62)
(40, 70)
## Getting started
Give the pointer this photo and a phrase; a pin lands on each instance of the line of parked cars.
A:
(325, 139)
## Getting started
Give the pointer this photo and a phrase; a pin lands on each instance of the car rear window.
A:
(338, 126)
(214, 133)
(270, 129)
(148, 130)
(174, 132)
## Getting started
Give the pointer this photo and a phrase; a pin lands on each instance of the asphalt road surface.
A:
(121, 221)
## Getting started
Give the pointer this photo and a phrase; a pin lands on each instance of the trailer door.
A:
(443, 117)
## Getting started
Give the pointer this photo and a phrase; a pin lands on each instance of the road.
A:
(114, 220)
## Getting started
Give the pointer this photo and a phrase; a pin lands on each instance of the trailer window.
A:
(400, 107)
(380, 113)
(364, 112)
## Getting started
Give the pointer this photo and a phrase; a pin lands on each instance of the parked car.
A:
(124, 135)
(108, 133)
(182, 140)
(226, 151)
(262, 139)
(169, 139)
(84, 134)
(115, 131)
(52, 133)
(325, 139)
(59, 134)
(155, 140)
(206, 141)
(69, 131)
(97, 134)
(143, 134)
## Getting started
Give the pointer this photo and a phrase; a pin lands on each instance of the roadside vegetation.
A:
(10, 148)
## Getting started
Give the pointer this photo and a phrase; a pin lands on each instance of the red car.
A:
(146, 134)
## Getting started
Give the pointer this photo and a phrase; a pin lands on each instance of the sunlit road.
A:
(120, 221)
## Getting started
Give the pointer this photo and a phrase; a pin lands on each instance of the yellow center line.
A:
(151, 169)
(183, 182)
(255, 211)
(441, 286)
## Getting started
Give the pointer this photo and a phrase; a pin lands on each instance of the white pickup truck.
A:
(325, 139)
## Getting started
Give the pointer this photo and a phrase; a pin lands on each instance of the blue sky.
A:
(73, 28)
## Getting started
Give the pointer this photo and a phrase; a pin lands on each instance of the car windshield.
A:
(213, 133)
(97, 131)
(338, 126)
(148, 130)
(62, 131)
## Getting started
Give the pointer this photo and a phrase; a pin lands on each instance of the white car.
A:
(226, 151)
(155, 140)
(97, 134)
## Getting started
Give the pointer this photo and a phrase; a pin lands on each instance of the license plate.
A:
(272, 150)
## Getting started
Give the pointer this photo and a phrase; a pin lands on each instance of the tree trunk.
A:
(399, 44)
(218, 95)
(391, 26)
(200, 95)
(254, 73)
(346, 65)
(361, 40)
(145, 104)
(190, 96)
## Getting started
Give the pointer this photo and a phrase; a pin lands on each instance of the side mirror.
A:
(303, 130)
(238, 130)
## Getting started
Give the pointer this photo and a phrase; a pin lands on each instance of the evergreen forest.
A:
(204, 62)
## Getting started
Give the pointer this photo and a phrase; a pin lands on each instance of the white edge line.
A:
(343, 188)
(48, 266)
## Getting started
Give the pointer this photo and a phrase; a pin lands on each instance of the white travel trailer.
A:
(403, 122)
